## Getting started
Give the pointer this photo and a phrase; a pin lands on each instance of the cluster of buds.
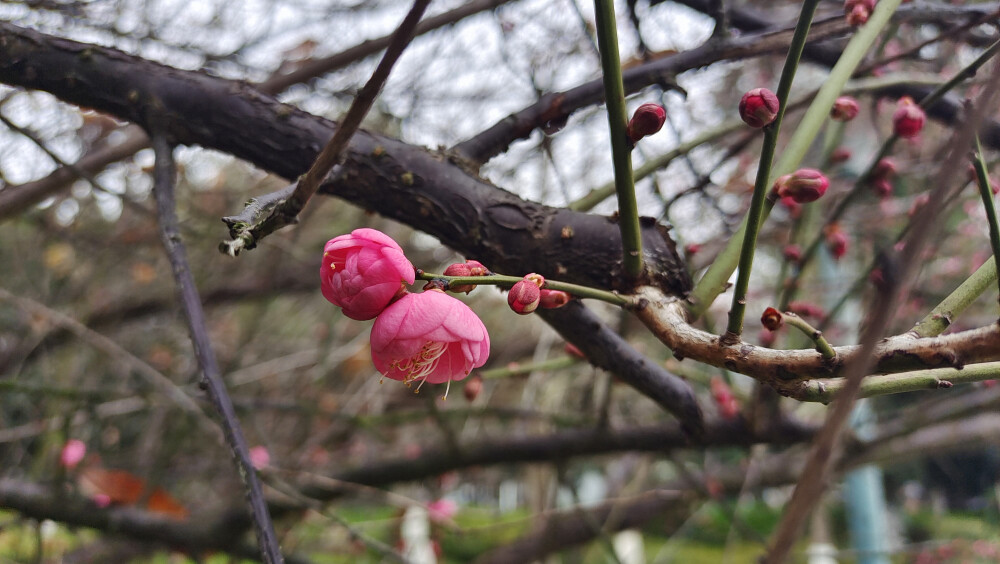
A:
(528, 294)
(858, 11)
(908, 119)
(647, 120)
(728, 405)
(845, 108)
(802, 186)
(759, 107)
(881, 177)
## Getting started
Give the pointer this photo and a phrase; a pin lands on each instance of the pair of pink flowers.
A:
(430, 337)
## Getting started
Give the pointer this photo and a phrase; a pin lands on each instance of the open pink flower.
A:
(431, 337)
(363, 271)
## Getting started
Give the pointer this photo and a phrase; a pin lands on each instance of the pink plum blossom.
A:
(72, 453)
(431, 337)
(362, 272)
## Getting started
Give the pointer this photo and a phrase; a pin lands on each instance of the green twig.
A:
(826, 390)
(621, 150)
(714, 281)
(986, 192)
(942, 316)
(815, 335)
(756, 214)
(508, 281)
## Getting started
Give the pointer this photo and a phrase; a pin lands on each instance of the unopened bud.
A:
(836, 241)
(845, 108)
(476, 268)
(884, 168)
(552, 299)
(840, 155)
(857, 11)
(573, 350)
(772, 319)
(882, 187)
(804, 185)
(473, 385)
(523, 297)
(759, 107)
(647, 120)
(792, 253)
(459, 269)
(908, 119)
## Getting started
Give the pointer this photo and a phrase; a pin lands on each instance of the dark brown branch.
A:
(608, 350)
(164, 171)
(559, 446)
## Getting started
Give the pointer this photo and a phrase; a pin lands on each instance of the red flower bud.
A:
(459, 269)
(728, 406)
(840, 154)
(908, 119)
(553, 299)
(844, 108)
(884, 168)
(771, 319)
(692, 248)
(524, 297)
(804, 185)
(857, 11)
(647, 120)
(836, 241)
(473, 386)
(759, 107)
(792, 253)
(476, 268)
(882, 187)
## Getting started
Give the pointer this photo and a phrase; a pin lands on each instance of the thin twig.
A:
(986, 193)
(285, 213)
(756, 214)
(164, 172)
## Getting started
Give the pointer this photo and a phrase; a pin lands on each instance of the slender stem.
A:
(757, 202)
(508, 281)
(715, 281)
(521, 368)
(816, 336)
(826, 390)
(187, 291)
(986, 192)
(621, 150)
(942, 316)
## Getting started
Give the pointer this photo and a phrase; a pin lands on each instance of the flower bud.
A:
(759, 107)
(473, 386)
(459, 269)
(524, 297)
(836, 241)
(857, 11)
(647, 120)
(845, 108)
(804, 185)
(792, 253)
(908, 119)
(794, 208)
(840, 155)
(72, 453)
(771, 319)
(553, 299)
(476, 268)
(728, 405)
(885, 168)
(882, 187)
